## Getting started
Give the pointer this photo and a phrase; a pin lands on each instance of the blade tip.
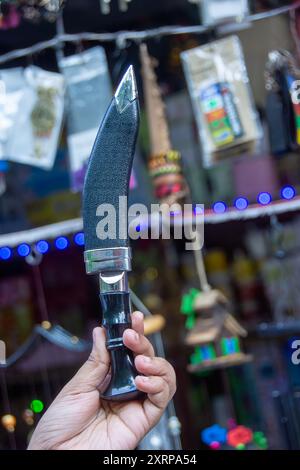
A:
(127, 89)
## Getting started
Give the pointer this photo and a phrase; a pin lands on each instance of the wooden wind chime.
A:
(213, 331)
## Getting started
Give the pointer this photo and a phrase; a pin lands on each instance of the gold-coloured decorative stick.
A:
(155, 109)
(164, 162)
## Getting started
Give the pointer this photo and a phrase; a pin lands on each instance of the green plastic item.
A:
(187, 307)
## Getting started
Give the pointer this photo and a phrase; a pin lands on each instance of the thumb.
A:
(94, 371)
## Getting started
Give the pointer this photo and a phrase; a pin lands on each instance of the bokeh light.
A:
(23, 249)
(219, 207)
(288, 192)
(264, 198)
(241, 203)
(37, 406)
(42, 246)
(61, 243)
(5, 252)
(79, 238)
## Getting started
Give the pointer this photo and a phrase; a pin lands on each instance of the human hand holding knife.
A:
(107, 179)
(78, 419)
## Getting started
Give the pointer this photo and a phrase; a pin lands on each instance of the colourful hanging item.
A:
(164, 162)
(9, 422)
(260, 440)
(239, 435)
(166, 172)
(213, 332)
(187, 307)
(218, 84)
(213, 434)
(9, 16)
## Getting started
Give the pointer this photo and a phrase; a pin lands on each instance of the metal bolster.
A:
(107, 259)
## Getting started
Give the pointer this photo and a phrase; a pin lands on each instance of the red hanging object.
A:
(9, 16)
(239, 435)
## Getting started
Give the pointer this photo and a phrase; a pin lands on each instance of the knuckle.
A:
(92, 358)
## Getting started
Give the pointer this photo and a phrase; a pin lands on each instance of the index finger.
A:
(137, 319)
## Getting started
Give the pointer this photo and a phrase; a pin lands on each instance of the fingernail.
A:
(135, 336)
(147, 359)
(139, 314)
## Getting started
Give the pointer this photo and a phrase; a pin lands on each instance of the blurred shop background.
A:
(219, 88)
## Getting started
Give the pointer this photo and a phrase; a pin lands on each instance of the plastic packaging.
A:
(88, 96)
(222, 101)
(36, 122)
(12, 87)
(219, 11)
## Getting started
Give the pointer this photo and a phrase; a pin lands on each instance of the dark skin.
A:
(79, 419)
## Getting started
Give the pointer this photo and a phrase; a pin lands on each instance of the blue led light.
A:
(264, 198)
(23, 249)
(42, 246)
(219, 207)
(198, 209)
(5, 252)
(79, 238)
(61, 243)
(288, 192)
(241, 203)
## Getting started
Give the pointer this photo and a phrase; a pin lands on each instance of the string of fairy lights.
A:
(264, 198)
(219, 212)
(41, 246)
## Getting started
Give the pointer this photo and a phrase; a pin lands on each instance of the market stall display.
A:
(230, 105)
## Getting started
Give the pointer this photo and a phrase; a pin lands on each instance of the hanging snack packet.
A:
(89, 93)
(12, 86)
(37, 124)
(219, 88)
(215, 12)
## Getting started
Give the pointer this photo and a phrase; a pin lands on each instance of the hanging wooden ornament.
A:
(164, 163)
(213, 332)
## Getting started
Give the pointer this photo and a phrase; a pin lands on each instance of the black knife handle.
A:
(116, 319)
